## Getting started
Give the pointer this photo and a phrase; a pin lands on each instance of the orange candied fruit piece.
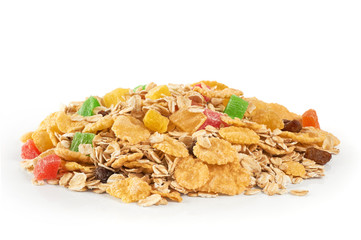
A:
(310, 119)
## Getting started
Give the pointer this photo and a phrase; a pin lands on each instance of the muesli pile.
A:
(153, 143)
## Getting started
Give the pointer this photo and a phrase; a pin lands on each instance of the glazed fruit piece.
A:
(88, 106)
(213, 119)
(236, 107)
(81, 138)
(115, 96)
(154, 121)
(47, 167)
(310, 119)
(29, 150)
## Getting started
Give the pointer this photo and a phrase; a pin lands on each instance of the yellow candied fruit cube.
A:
(154, 121)
(115, 96)
(158, 92)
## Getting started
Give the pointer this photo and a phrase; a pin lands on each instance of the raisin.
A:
(102, 174)
(319, 156)
(103, 113)
(190, 148)
(292, 126)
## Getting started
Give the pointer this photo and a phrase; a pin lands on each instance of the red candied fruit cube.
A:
(207, 99)
(213, 119)
(47, 167)
(310, 119)
(29, 150)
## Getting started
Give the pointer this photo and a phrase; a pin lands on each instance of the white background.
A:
(303, 54)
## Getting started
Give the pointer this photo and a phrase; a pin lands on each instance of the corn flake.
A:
(191, 173)
(239, 135)
(229, 179)
(131, 189)
(69, 155)
(130, 129)
(295, 169)
(67, 125)
(241, 123)
(220, 152)
(172, 147)
(125, 158)
(101, 124)
(212, 84)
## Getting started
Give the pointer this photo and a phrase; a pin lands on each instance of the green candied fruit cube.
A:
(236, 107)
(140, 86)
(81, 138)
(88, 106)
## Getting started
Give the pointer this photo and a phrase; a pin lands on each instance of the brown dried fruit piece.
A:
(220, 152)
(229, 179)
(319, 156)
(130, 189)
(292, 126)
(191, 173)
(130, 129)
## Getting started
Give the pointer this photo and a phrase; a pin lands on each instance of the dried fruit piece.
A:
(239, 135)
(81, 138)
(220, 152)
(191, 173)
(130, 129)
(230, 179)
(47, 167)
(141, 87)
(172, 147)
(131, 189)
(88, 106)
(310, 119)
(213, 119)
(236, 107)
(29, 150)
(295, 169)
(42, 140)
(158, 92)
(319, 156)
(102, 174)
(188, 121)
(154, 121)
(115, 96)
(292, 126)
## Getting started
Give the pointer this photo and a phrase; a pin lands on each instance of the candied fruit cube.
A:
(236, 107)
(213, 119)
(187, 121)
(88, 106)
(154, 121)
(81, 138)
(142, 87)
(115, 96)
(47, 167)
(29, 150)
(310, 119)
(158, 92)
